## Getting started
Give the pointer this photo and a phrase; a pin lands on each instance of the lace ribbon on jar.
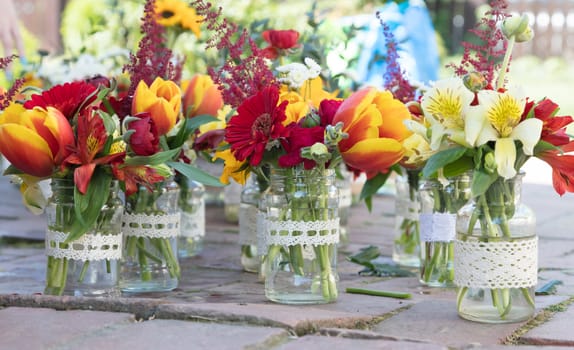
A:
(89, 247)
(154, 226)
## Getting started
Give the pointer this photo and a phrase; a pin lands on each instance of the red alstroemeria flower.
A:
(259, 120)
(91, 139)
(279, 40)
(145, 140)
(67, 98)
(562, 167)
(553, 127)
(135, 175)
(298, 138)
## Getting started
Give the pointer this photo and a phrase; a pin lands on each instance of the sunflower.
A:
(169, 12)
(191, 21)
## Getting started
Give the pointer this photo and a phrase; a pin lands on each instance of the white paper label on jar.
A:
(437, 227)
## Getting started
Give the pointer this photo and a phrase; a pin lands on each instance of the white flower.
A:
(444, 107)
(497, 118)
(295, 74)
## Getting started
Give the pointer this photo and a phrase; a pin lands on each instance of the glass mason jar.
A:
(496, 255)
(231, 199)
(89, 265)
(343, 183)
(192, 207)
(439, 205)
(406, 246)
(151, 227)
(248, 217)
(302, 235)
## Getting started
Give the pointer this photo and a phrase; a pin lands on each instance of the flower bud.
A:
(525, 36)
(489, 163)
(474, 81)
(516, 26)
(311, 119)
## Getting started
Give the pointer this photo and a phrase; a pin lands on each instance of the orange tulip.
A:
(374, 122)
(35, 141)
(162, 100)
(201, 97)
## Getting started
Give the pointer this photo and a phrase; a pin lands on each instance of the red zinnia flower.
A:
(279, 40)
(92, 138)
(553, 127)
(67, 98)
(259, 120)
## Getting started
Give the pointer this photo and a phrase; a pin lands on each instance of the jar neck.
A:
(503, 192)
(63, 189)
(299, 176)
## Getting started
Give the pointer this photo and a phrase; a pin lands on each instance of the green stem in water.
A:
(85, 267)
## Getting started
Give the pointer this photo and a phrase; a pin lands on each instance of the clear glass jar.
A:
(89, 265)
(302, 235)
(192, 207)
(406, 245)
(231, 199)
(439, 205)
(151, 227)
(496, 255)
(343, 182)
(248, 213)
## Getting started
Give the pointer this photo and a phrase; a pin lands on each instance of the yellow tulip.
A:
(374, 122)
(201, 96)
(162, 100)
(35, 141)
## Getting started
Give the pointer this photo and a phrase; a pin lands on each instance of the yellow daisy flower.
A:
(191, 21)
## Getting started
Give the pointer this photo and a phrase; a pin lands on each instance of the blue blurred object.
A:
(414, 33)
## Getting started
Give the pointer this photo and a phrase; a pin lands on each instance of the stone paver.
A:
(29, 328)
(557, 331)
(436, 321)
(316, 342)
(176, 335)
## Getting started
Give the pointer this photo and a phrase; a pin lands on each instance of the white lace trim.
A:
(496, 264)
(153, 226)
(345, 197)
(437, 227)
(89, 247)
(307, 232)
(261, 233)
(248, 224)
(193, 224)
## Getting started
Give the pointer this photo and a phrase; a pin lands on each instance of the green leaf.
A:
(441, 159)
(458, 167)
(87, 207)
(12, 170)
(156, 159)
(190, 125)
(196, 174)
(481, 181)
(371, 187)
(542, 146)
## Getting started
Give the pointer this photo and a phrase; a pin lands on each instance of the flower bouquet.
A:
(63, 134)
(289, 123)
(479, 123)
(156, 132)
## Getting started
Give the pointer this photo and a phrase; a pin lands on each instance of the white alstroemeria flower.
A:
(314, 68)
(497, 118)
(297, 73)
(445, 106)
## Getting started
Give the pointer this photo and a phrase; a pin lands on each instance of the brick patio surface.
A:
(218, 306)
